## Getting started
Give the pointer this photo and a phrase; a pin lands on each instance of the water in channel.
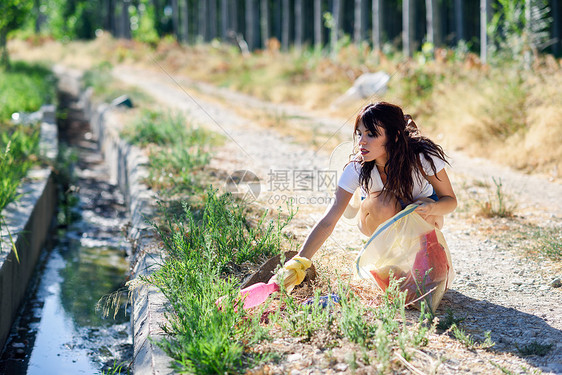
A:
(60, 330)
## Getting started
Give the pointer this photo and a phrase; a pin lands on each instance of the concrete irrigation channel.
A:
(80, 228)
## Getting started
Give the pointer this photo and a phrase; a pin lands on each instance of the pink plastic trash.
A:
(254, 295)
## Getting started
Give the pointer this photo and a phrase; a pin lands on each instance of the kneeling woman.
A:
(395, 166)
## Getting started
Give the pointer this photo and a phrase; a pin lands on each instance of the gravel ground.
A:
(497, 289)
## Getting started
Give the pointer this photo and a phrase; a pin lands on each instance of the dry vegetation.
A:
(508, 114)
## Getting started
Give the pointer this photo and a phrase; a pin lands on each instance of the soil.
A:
(501, 286)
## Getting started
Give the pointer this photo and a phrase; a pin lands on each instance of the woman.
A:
(395, 166)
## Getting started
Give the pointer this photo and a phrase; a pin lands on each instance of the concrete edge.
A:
(28, 221)
(127, 169)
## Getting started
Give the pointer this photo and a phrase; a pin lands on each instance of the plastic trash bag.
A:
(409, 248)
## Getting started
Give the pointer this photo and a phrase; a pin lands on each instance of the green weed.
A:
(20, 147)
(448, 320)
(178, 150)
(25, 88)
(106, 88)
(535, 348)
(469, 341)
(382, 330)
(116, 368)
(536, 241)
(547, 241)
(501, 368)
(497, 205)
(199, 248)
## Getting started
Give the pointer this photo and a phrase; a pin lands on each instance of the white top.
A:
(349, 180)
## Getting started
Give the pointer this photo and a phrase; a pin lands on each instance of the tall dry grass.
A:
(507, 114)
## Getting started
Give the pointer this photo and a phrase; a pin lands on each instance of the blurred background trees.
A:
(487, 27)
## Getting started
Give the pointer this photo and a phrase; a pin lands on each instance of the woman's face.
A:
(371, 146)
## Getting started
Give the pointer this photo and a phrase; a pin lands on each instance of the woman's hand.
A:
(425, 209)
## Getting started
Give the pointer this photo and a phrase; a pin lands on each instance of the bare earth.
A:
(498, 288)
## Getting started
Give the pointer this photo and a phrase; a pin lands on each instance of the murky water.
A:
(60, 329)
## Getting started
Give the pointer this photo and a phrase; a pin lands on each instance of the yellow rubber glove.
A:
(293, 272)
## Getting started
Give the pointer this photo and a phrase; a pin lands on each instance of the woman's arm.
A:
(447, 200)
(325, 226)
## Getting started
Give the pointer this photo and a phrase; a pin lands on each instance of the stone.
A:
(341, 367)
(556, 283)
(294, 357)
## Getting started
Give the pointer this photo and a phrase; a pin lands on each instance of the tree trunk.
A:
(298, 25)
(317, 24)
(357, 22)
(4, 57)
(125, 20)
(202, 32)
(185, 23)
(285, 26)
(377, 24)
(556, 27)
(212, 19)
(264, 22)
(181, 37)
(175, 19)
(484, 17)
(233, 16)
(407, 27)
(334, 33)
(433, 24)
(458, 21)
(224, 19)
(250, 24)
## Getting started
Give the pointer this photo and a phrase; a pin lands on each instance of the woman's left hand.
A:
(425, 209)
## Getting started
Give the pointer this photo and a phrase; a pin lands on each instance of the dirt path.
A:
(496, 288)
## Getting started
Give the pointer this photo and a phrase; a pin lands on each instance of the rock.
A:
(294, 357)
(341, 367)
(517, 281)
(556, 283)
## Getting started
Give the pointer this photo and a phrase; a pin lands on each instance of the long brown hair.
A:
(404, 145)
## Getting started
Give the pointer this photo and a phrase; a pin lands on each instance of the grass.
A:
(469, 341)
(448, 321)
(535, 348)
(106, 87)
(25, 88)
(382, 334)
(178, 150)
(497, 204)
(532, 240)
(116, 368)
(19, 148)
(546, 241)
(198, 252)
